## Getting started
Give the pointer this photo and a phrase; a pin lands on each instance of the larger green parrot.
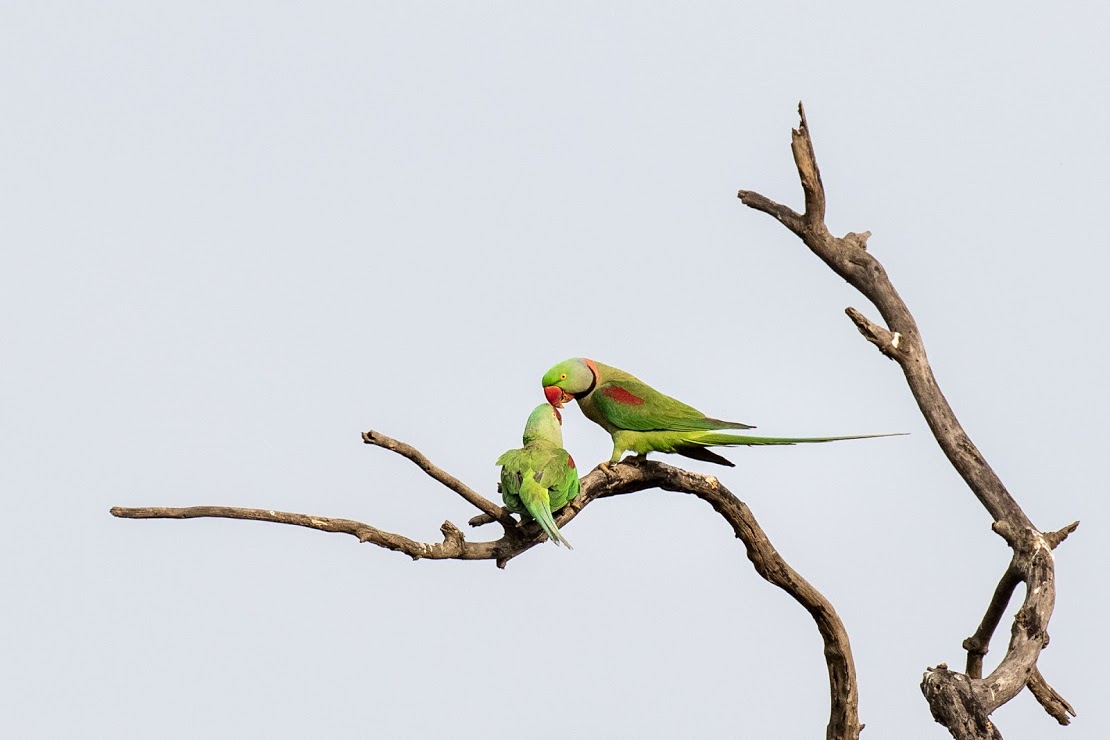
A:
(643, 420)
(540, 478)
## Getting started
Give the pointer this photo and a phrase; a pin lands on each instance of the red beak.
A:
(555, 396)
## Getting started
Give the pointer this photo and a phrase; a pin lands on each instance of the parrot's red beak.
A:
(556, 396)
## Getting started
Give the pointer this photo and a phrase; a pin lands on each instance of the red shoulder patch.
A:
(620, 395)
(570, 461)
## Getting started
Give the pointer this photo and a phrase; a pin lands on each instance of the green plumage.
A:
(540, 478)
(640, 419)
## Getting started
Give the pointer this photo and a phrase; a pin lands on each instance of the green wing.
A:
(553, 469)
(512, 466)
(561, 477)
(634, 405)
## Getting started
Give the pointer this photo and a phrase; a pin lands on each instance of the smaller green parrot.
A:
(540, 478)
(642, 420)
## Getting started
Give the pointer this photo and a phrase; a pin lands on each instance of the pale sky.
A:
(236, 235)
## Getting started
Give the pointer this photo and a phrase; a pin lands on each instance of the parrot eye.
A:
(563, 376)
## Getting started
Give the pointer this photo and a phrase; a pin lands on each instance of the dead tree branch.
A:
(961, 702)
(490, 509)
(1052, 702)
(635, 474)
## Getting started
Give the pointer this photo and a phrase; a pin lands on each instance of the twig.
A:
(487, 507)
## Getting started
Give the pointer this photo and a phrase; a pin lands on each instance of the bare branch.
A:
(452, 547)
(962, 703)
(1052, 702)
(849, 258)
(1055, 538)
(487, 507)
(886, 341)
(844, 719)
(632, 475)
(808, 172)
(977, 645)
(481, 520)
(789, 218)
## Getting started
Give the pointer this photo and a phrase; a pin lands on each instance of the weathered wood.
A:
(961, 702)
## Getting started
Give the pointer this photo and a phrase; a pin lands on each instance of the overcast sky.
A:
(236, 235)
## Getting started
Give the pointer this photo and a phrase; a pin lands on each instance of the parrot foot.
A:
(632, 459)
(608, 466)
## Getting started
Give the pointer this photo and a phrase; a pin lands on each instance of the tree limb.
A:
(962, 703)
(490, 509)
(635, 474)
(1052, 702)
(452, 547)
(978, 644)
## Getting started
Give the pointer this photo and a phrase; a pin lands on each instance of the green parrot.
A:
(643, 420)
(540, 478)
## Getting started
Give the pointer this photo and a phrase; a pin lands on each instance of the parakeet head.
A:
(568, 379)
(544, 423)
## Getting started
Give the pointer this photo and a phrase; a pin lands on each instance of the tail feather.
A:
(537, 500)
(544, 518)
(721, 424)
(716, 438)
(704, 454)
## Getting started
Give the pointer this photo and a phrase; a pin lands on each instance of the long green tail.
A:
(537, 500)
(695, 444)
(713, 439)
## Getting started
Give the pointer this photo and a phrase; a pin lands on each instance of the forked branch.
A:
(961, 702)
(636, 474)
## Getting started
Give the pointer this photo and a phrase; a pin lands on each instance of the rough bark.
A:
(961, 702)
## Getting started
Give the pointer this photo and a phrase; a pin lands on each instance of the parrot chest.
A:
(592, 412)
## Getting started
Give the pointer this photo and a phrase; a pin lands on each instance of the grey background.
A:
(237, 235)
